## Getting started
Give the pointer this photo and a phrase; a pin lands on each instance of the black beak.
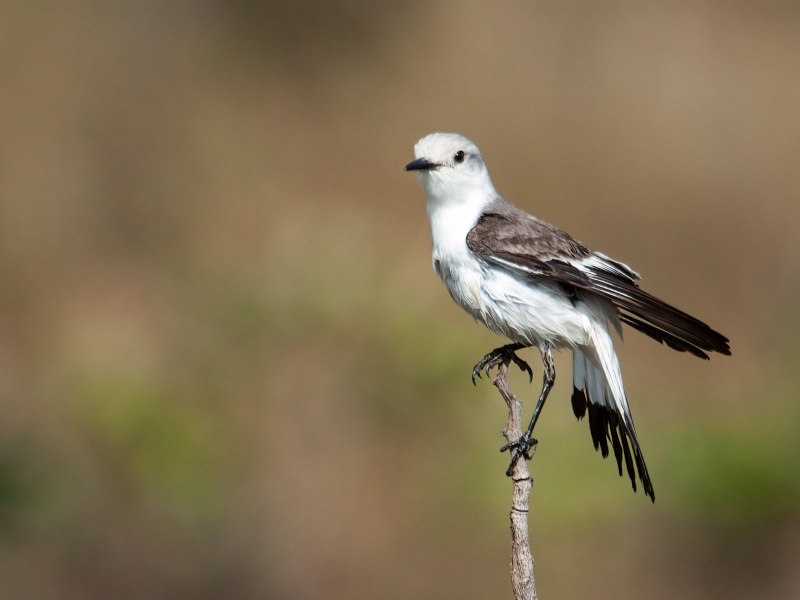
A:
(421, 164)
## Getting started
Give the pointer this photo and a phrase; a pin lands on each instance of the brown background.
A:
(228, 371)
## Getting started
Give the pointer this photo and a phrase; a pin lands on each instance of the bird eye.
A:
(459, 157)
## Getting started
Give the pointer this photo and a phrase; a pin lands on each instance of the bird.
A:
(532, 283)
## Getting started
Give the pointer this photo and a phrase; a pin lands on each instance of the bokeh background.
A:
(227, 369)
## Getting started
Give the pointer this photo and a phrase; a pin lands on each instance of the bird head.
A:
(449, 166)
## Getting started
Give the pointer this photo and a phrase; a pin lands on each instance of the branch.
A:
(521, 559)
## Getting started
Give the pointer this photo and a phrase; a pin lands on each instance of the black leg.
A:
(523, 445)
(497, 356)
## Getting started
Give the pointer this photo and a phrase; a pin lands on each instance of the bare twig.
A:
(521, 559)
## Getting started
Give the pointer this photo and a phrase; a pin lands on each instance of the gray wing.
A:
(512, 239)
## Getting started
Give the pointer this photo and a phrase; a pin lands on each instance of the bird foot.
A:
(498, 356)
(522, 447)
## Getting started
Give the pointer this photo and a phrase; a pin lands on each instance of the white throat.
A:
(454, 206)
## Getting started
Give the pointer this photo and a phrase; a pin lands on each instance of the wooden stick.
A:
(521, 559)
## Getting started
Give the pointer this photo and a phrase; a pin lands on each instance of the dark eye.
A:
(459, 157)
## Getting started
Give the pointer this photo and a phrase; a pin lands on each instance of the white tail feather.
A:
(589, 378)
(598, 387)
(604, 351)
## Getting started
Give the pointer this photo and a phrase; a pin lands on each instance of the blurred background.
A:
(227, 369)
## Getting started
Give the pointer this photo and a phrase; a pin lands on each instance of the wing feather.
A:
(517, 241)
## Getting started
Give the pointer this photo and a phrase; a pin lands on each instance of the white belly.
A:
(525, 311)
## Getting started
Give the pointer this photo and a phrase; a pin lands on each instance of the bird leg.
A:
(523, 445)
(496, 357)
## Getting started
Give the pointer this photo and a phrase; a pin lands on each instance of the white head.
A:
(450, 168)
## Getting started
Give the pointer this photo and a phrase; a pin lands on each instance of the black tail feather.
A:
(617, 447)
(578, 403)
(629, 462)
(605, 425)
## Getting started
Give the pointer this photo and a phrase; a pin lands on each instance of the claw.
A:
(510, 468)
(523, 446)
(489, 368)
(496, 357)
(476, 372)
(523, 366)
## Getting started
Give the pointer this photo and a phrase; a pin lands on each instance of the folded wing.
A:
(515, 240)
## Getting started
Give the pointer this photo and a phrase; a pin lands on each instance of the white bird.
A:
(532, 283)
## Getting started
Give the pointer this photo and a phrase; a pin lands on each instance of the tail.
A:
(597, 388)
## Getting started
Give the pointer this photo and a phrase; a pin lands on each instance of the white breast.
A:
(454, 263)
(522, 310)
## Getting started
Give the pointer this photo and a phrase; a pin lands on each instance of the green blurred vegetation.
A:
(736, 475)
(151, 448)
